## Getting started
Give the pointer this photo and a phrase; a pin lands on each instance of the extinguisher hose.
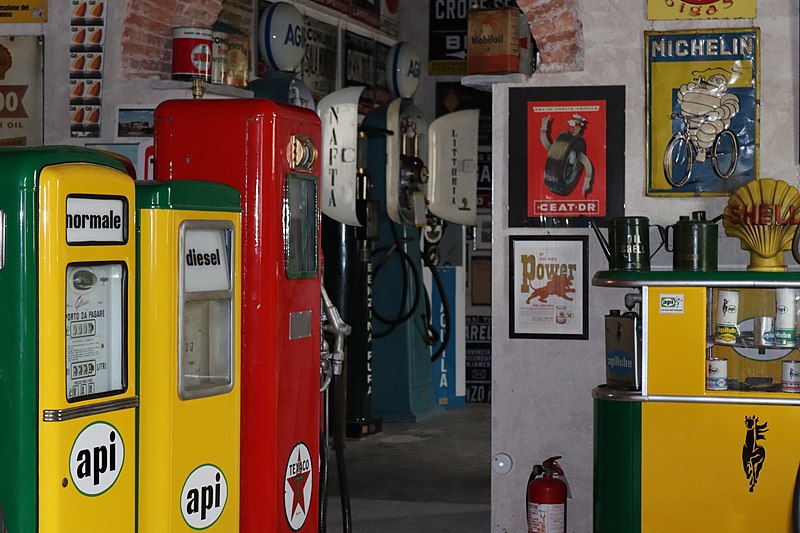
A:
(338, 444)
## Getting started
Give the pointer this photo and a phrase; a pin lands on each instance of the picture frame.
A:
(563, 179)
(549, 287)
(480, 282)
(135, 122)
(483, 232)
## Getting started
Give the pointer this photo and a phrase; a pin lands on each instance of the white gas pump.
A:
(423, 175)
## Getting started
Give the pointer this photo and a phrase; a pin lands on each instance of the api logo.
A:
(203, 496)
(671, 304)
(96, 458)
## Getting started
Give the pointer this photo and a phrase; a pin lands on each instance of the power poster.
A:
(566, 155)
(549, 294)
(700, 9)
(703, 111)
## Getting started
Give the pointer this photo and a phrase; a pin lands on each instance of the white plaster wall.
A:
(542, 403)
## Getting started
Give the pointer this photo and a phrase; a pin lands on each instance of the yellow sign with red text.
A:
(700, 9)
(23, 11)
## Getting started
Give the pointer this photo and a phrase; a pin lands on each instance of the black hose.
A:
(437, 279)
(338, 444)
(324, 452)
(406, 267)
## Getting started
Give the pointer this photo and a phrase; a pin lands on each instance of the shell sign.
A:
(763, 214)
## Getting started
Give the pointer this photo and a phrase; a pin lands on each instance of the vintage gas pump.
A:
(348, 232)
(269, 152)
(67, 342)
(411, 198)
(281, 41)
(189, 339)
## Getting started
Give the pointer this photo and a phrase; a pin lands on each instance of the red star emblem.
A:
(298, 484)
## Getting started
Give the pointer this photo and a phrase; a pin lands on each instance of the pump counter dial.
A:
(302, 153)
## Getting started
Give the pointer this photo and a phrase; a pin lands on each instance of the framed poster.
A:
(549, 293)
(702, 111)
(135, 122)
(566, 155)
(21, 87)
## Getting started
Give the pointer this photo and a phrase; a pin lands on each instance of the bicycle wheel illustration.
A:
(725, 154)
(678, 160)
(562, 167)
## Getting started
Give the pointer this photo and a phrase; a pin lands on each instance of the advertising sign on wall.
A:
(700, 9)
(703, 105)
(21, 91)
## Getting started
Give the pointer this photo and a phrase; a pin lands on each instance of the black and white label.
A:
(96, 458)
(204, 496)
(95, 220)
(206, 260)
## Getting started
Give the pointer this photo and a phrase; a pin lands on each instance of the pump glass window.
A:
(96, 348)
(205, 366)
(300, 226)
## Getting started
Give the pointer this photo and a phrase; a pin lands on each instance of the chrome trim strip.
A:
(607, 393)
(70, 413)
(723, 400)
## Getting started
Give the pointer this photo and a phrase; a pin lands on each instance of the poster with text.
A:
(21, 64)
(703, 111)
(700, 9)
(566, 155)
(549, 287)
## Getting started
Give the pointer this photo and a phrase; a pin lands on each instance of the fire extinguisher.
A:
(547, 498)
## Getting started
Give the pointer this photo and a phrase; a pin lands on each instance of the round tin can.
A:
(790, 376)
(191, 53)
(238, 60)
(785, 317)
(726, 319)
(219, 57)
(764, 331)
(717, 374)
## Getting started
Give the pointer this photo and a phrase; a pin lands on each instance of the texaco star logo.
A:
(297, 486)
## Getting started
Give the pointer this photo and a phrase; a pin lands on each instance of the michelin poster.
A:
(702, 101)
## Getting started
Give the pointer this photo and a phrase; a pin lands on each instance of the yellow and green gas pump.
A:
(189, 344)
(67, 365)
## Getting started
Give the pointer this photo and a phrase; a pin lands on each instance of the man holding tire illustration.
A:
(566, 157)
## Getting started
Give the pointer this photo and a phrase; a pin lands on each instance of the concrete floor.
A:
(426, 477)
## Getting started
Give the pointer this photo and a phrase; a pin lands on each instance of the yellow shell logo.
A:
(763, 214)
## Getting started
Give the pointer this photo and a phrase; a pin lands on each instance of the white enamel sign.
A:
(96, 458)
(203, 497)
(297, 486)
(96, 220)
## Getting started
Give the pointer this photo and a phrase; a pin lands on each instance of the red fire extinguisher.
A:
(547, 498)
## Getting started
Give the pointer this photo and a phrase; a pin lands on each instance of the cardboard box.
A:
(499, 42)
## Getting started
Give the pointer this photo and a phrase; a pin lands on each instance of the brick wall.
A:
(558, 33)
(146, 41)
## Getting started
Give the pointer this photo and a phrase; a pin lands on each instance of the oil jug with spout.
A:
(694, 246)
(628, 244)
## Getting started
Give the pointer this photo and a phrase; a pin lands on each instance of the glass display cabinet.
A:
(709, 438)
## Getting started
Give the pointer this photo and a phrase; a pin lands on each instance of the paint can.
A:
(219, 57)
(726, 322)
(191, 53)
(717, 374)
(790, 376)
(785, 317)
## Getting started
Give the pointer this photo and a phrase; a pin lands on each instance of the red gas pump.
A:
(547, 498)
(269, 152)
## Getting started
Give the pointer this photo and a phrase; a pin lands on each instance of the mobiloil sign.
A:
(189, 339)
(67, 369)
(269, 152)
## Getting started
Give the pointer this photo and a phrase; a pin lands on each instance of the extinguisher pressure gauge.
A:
(302, 153)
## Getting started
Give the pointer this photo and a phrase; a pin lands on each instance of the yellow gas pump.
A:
(67, 368)
(189, 331)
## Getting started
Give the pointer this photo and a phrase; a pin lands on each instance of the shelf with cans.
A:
(742, 325)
